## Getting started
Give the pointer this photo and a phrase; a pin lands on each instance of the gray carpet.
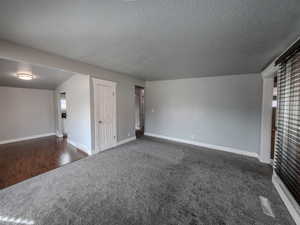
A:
(148, 182)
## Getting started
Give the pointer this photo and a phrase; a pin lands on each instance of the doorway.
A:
(105, 114)
(63, 111)
(139, 111)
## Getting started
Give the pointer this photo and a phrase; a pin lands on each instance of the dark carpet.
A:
(148, 182)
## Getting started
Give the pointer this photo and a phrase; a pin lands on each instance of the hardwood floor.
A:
(22, 160)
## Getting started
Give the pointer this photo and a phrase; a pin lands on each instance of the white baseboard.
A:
(266, 161)
(205, 145)
(117, 144)
(79, 146)
(287, 198)
(58, 134)
(27, 138)
(125, 141)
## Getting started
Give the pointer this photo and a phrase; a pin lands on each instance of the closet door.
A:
(105, 114)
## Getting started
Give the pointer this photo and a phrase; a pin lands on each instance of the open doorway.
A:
(274, 113)
(63, 109)
(35, 102)
(139, 111)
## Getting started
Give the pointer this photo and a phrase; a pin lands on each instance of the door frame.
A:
(266, 113)
(114, 86)
(143, 88)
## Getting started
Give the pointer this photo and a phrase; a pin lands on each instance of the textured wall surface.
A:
(25, 112)
(223, 111)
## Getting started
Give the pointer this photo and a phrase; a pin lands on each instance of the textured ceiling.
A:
(157, 39)
(45, 78)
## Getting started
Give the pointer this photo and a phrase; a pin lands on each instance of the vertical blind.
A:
(287, 153)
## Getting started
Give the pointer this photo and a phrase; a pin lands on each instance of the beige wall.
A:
(25, 113)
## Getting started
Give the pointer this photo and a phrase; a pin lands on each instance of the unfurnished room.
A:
(139, 112)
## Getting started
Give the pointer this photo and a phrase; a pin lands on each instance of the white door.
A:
(105, 114)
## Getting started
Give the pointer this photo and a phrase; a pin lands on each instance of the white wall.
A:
(25, 113)
(78, 122)
(222, 111)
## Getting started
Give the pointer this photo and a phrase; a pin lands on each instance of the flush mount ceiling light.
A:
(25, 76)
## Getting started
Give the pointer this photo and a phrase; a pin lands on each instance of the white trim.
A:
(79, 146)
(266, 121)
(269, 70)
(27, 138)
(104, 82)
(119, 143)
(97, 81)
(59, 134)
(287, 198)
(125, 141)
(205, 145)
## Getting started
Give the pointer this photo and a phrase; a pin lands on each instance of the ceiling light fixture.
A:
(25, 76)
